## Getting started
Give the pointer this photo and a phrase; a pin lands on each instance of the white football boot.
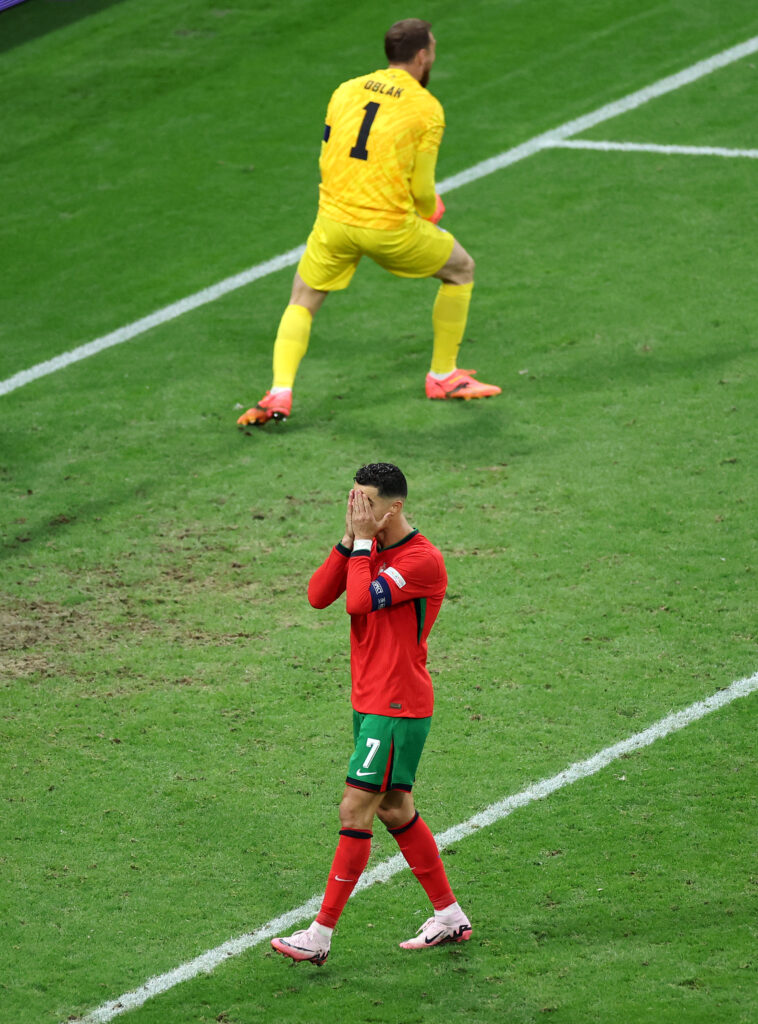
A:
(442, 928)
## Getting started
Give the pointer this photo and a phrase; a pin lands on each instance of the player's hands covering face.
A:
(365, 526)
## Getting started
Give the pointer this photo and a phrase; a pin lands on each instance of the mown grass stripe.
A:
(212, 958)
(480, 170)
(605, 113)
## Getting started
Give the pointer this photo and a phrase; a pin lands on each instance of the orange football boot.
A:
(459, 384)
(270, 407)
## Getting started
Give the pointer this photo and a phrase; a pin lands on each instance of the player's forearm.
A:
(358, 589)
(328, 581)
(422, 184)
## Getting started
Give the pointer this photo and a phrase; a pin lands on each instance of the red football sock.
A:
(350, 858)
(419, 848)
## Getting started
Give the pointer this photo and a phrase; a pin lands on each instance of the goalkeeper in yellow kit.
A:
(377, 198)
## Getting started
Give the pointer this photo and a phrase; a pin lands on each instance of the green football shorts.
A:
(387, 751)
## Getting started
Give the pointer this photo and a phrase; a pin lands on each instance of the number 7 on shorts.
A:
(374, 745)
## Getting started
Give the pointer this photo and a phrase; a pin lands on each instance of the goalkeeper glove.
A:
(439, 209)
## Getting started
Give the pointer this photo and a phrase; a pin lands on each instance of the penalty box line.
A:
(480, 170)
(212, 958)
(652, 147)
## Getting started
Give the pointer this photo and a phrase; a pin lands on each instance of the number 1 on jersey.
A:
(359, 151)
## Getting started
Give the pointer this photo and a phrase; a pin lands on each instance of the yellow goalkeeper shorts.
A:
(333, 251)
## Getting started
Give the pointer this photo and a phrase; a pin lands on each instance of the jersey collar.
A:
(398, 543)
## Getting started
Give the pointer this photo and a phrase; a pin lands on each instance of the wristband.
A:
(362, 544)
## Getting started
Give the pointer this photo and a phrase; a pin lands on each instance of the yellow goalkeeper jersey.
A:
(375, 127)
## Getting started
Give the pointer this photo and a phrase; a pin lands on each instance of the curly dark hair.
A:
(388, 480)
(405, 38)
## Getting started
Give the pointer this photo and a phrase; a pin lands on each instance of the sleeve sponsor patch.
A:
(395, 576)
(381, 595)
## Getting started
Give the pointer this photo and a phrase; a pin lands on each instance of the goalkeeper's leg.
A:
(449, 318)
(290, 346)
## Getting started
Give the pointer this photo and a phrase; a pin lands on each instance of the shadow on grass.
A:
(35, 18)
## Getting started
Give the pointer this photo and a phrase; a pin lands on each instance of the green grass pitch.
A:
(174, 718)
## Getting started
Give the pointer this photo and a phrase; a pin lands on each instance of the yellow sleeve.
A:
(327, 124)
(422, 183)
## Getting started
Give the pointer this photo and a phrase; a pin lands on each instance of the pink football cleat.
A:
(271, 407)
(459, 384)
(306, 944)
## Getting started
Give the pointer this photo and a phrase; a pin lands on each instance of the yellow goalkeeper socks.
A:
(291, 344)
(449, 318)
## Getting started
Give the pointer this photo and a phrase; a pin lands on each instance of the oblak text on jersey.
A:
(387, 90)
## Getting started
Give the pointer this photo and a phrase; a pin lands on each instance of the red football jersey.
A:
(393, 597)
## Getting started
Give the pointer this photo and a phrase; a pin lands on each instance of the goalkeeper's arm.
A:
(425, 197)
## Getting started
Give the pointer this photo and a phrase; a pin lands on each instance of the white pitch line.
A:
(480, 170)
(605, 113)
(161, 316)
(652, 147)
(208, 961)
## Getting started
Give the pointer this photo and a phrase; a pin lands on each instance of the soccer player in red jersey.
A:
(378, 198)
(394, 580)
